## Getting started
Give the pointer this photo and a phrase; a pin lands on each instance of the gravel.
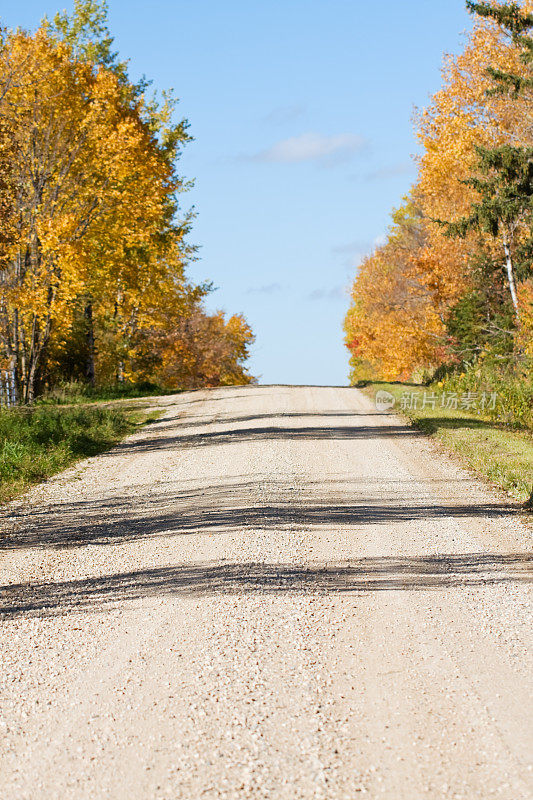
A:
(270, 592)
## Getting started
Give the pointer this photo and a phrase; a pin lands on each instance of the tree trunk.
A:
(510, 274)
(22, 356)
(90, 372)
(30, 383)
(40, 336)
(13, 383)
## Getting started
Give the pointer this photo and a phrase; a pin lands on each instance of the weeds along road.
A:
(270, 592)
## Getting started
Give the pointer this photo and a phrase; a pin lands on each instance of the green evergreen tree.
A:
(504, 177)
(505, 186)
(517, 24)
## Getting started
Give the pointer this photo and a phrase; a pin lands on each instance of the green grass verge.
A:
(76, 393)
(499, 453)
(35, 443)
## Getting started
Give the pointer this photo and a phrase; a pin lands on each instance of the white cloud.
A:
(326, 150)
(269, 288)
(334, 293)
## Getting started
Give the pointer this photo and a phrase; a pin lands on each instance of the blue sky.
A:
(302, 116)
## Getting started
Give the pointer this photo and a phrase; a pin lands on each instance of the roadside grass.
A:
(500, 453)
(76, 393)
(36, 443)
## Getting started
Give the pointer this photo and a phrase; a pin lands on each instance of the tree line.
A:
(93, 242)
(451, 289)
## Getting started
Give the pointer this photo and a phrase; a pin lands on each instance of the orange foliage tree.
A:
(405, 292)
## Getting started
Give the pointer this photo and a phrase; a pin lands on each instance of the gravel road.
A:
(271, 592)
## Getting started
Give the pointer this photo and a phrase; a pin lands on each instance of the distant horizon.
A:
(303, 143)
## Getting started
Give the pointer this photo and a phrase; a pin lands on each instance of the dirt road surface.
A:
(271, 592)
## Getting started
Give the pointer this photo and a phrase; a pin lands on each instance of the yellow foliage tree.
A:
(92, 252)
(403, 296)
(92, 192)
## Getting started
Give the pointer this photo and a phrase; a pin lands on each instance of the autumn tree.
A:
(505, 189)
(516, 22)
(394, 323)
(48, 106)
(195, 349)
(446, 298)
(96, 229)
(504, 179)
(94, 248)
(471, 116)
